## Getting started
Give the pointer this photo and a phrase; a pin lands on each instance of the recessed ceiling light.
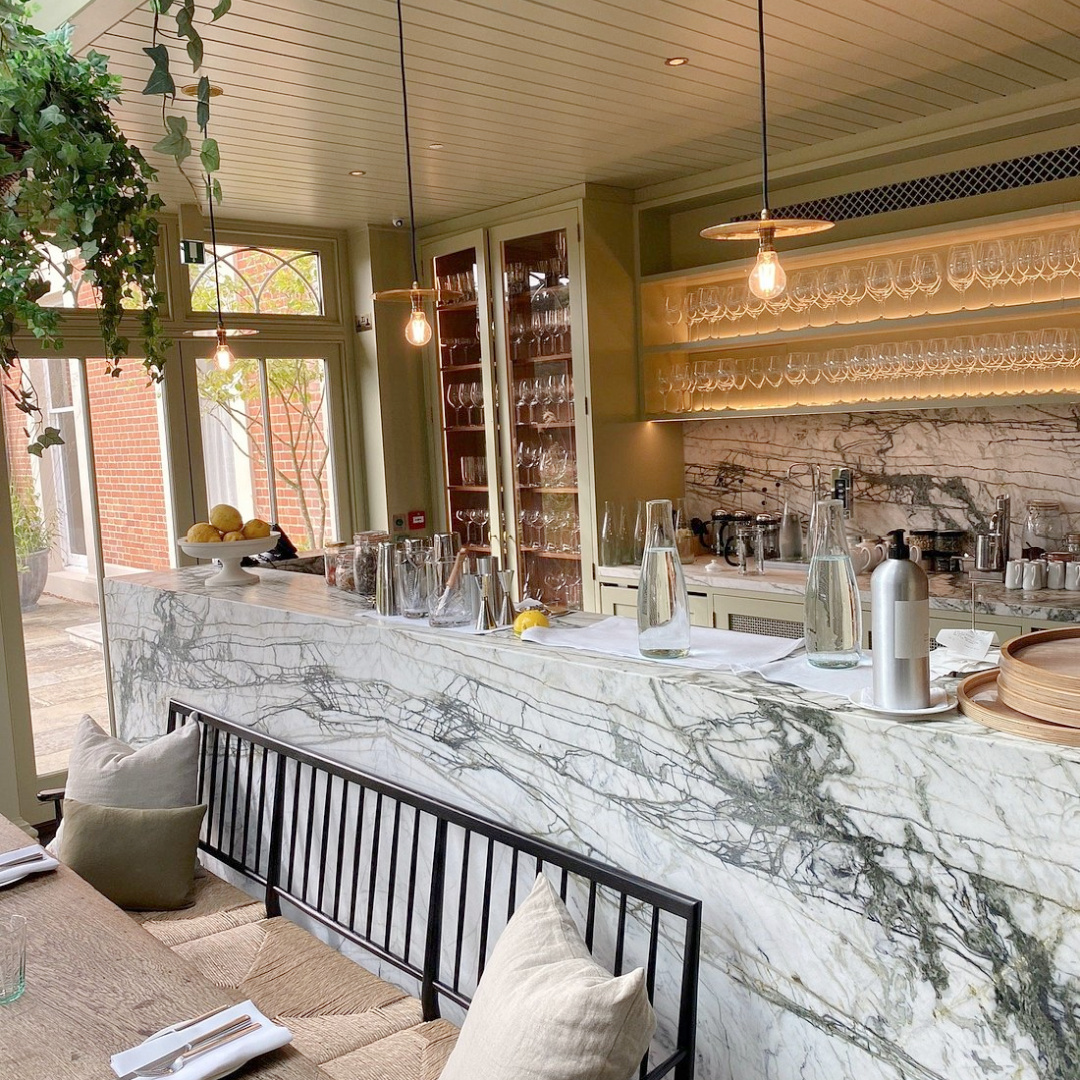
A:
(192, 90)
(677, 61)
(434, 145)
(357, 172)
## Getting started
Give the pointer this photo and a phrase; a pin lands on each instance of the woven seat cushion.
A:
(331, 1035)
(286, 971)
(216, 906)
(418, 1053)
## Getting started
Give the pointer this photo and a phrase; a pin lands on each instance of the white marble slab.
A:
(881, 900)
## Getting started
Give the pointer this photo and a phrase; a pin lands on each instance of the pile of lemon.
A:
(227, 525)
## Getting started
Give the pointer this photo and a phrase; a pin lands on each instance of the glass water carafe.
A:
(833, 611)
(663, 606)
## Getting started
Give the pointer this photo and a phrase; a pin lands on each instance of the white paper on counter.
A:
(966, 644)
(712, 650)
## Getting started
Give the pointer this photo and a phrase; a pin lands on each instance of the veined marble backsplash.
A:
(914, 469)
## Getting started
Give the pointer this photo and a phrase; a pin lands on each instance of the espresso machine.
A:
(992, 543)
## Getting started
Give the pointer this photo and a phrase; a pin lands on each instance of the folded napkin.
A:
(713, 650)
(10, 874)
(263, 1038)
(839, 682)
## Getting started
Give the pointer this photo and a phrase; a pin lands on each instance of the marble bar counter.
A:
(882, 900)
(948, 592)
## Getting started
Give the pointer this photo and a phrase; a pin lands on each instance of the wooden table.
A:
(97, 983)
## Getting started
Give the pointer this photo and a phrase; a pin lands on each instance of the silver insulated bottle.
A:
(900, 611)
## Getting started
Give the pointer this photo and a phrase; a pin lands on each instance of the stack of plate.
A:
(1035, 693)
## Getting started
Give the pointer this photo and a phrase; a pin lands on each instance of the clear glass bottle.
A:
(1044, 529)
(663, 606)
(639, 532)
(833, 611)
(609, 537)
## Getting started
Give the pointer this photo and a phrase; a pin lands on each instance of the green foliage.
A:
(80, 184)
(32, 531)
(176, 143)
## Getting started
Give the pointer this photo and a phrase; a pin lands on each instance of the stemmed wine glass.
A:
(674, 307)
(905, 283)
(960, 269)
(1061, 255)
(832, 283)
(1030, 262)
(928, 275)
(990, 265)
(466, 520)
(476, 397)
(453, 400)
(880, 282)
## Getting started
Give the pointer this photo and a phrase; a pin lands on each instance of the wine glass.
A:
(703, 383)
(832, 282)
(960, 269)
(928, 275)
(990, 265)
(1061, 254)
(463, 517)
(804, 290)
(453, 401)
(674, 307)
(663, 386)
(905, 284)
(476, 396)
(1030, 262)
(680, 384)
(735, 302)
(879, 282)
(854, 287)
(535, 398)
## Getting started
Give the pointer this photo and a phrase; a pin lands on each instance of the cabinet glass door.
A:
(466, 386)
(538, 346)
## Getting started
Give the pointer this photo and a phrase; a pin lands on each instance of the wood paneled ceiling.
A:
(527, 96)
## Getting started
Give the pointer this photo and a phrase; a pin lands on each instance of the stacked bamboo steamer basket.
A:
(1035, 692)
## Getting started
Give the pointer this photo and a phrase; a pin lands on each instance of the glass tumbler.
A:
(12, 957)
(450, 602)
(412, 579)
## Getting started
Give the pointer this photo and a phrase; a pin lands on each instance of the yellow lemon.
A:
(256, 529)
(529, 618)
(226, 518)
(232, 537)
(203, 533)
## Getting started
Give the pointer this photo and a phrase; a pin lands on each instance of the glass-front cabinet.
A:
(509, 357)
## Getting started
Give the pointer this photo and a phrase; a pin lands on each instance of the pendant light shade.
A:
(417, 329)
(767, 279)
(223, 355)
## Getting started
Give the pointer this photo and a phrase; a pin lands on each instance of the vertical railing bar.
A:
(688, 996)
(392, 876)
(235, 798)
(223, 794)
(463, 891)
(277, 825)
(295, 823)
(485, 917)
(356, 858)
(344, 812)
(539, 866)
(376, 836)
(429, 998)
(313, 784)
(590, 917)
(620, 935)
(563, 884)
(252, 748)
(204, 741)
(260, 821)
(324, 850)
(213, 789)
(512, 897)
(654, 942)
(413, 857)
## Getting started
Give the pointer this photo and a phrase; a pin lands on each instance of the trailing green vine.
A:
(69, 177)
(176, 142)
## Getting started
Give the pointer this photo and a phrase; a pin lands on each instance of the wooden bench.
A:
(421, 888)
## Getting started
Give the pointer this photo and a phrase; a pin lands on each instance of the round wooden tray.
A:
(1040, 675)
(978, 698)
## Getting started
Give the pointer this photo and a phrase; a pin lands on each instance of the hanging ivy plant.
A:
(176, 141)
(69, 177)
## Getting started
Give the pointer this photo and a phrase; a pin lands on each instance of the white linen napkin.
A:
(10, 874)
(225, 1059)
(840, 682)
(713, 650)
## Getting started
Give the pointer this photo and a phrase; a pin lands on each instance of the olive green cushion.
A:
(140, 859)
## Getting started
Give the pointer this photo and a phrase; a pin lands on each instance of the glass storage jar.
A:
(1043, 529)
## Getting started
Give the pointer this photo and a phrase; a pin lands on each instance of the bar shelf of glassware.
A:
(893, 321)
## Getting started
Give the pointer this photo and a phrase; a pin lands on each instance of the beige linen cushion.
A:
(141, 859)
(103, 771)
(545, 1010)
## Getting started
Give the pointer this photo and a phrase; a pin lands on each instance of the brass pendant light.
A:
(767, 279)
(417, 329)
(223, 355)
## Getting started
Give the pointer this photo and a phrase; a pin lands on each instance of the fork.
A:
(182, 1059)
(174, 1061)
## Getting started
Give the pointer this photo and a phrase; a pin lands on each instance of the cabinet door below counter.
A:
(622, 600)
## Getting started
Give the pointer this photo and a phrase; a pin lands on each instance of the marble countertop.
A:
(948, 592)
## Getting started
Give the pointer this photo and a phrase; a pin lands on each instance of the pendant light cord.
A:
(213, 244)
(408, 154)
(764, 113)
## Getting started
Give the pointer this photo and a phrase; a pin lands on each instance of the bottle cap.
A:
(897, 548)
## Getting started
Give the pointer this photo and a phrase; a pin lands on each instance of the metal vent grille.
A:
(963, 184)
(754, 624)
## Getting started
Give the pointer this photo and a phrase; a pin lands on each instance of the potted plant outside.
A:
(33, 540)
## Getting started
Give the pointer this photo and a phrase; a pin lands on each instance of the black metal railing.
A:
(426, 886)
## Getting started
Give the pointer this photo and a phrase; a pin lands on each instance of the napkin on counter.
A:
(840, 682)
(712, 650)
(263, 1038)
(10, 874)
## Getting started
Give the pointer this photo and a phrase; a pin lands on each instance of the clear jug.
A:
(663, 612)
(833, 611)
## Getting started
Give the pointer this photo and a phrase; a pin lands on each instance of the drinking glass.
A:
(905, 284)
(960, 269)
(756, 371)
(775, 367)
(674, 307)
(463, 516)
(1030, 264)
(735, 302)
(695, 312)
(879, 282)
(928, 275)
(449, 600)
(680, 384)
(476, 397)
(12, 957)
(412, 578)
(712, 306)
(453, 401)
(832, 283)
(854, 289)
(704, 383)
(1061, 255)
(990, 265)
(804, 290)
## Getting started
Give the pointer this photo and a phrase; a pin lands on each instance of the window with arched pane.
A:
(259, 281)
